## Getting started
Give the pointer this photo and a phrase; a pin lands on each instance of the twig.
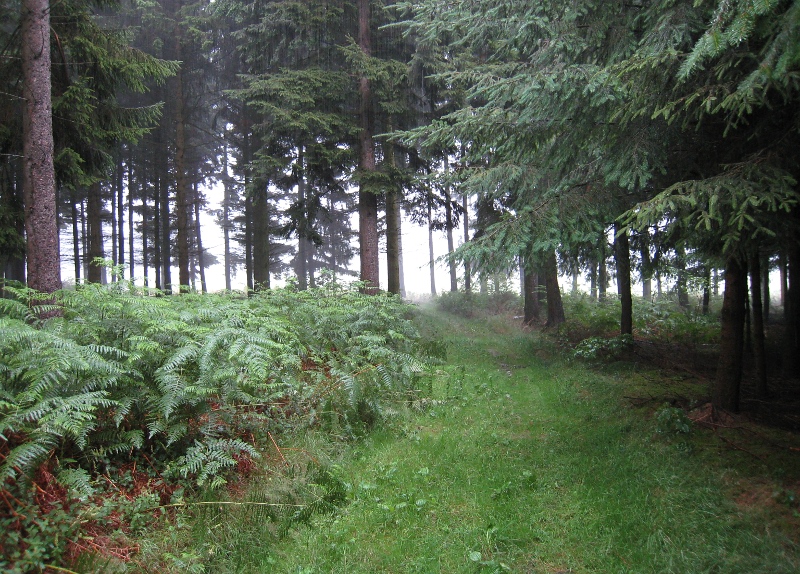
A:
(278, 448)
(736, 446)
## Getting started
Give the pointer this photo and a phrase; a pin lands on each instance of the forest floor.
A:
(517, 459)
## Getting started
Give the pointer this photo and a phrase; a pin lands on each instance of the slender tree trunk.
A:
(791, 311)
(431, 264)
(784, 281)
(765, 288)
(261, 278)
(201, 263)
(593, 281)
(707, 292)
(531, 294)
(448, 210)
(622, 255)
(759, 346)
(39, 185)
(392, 226)
(166, 239)
(226, 221)
(84, 241)
(467, 265)
(131, 193)
(94, 210)
(683, 293)
(647, 273)
(555, 308)
(157, 226)
(181, 179)
(76, 235)
(725, 393)
(114, 193)
(367, 200)
(602, 274)
(121, 215)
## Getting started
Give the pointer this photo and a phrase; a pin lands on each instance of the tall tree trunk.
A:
(647, 272)
(226, 220)
(622, 256)
(166, 239)
(448, 224)
(261, 239)
(120, 215)
(467, 265)
(707, 292)
(725, 393)
(114, 192)
(76, 235)
(531, 294)
(94, 213)
(367, 199)
(555, 308)
(593, 280)
(181, 179)
(157, 226)
(683, 293)
(201, 261)
(791, 311)
(759, 347)
(765, 288)
(131, 193)
(602, 272)
(431, 264)
(39, 184)
(248, 237)
(393, 239)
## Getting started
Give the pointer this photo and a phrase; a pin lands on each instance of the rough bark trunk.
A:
(39, 185)
(131, 258)
(76, 235)
(450, 243)
(200, 253)
(555, 308)
(622, 256)
(392, 229)
(226, 222)
(261, 240)
(725, 393)
(367, 200)
(791, 311)
(759, 348)
(531, 282)
(94, 212)
(765, 294)
(181, 180)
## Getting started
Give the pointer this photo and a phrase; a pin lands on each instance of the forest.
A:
(647, 145)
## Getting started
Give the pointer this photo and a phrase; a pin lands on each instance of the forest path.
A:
(522, 462)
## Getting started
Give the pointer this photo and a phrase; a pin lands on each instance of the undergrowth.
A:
(115, 412)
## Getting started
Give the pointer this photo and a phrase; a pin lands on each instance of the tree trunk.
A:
(200, 252)
(76, 235)
(39, 184)
(765, 288)
(157, 226)
(94, 211)
(448, 211)
(725, 394)
(555, 308)
(261, 239)
(226, 220)
(392, 228)
(622, 256)
(367, 199)
(791, 311)
(431, 265)
(759, 347)
(181, 179)
(467, 266)
(593, 281)
(531, 294)
(131, 258)
(683, 293)
(602, 272)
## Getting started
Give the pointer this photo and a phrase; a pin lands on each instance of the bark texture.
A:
(725, 394)
(39, 185)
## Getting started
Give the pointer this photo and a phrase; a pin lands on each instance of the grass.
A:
(521, 462)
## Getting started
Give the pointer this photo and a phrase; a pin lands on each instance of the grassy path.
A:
(521, 463)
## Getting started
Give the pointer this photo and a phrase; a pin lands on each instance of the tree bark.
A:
(555, 308)
(622, 256)
(367, 199)
(725, 393)
(759, 346)
(76, 235)
(181, 179)
(261, 239)
(791, 311)
(201, 263)
(94, 212)
(531, 296)
(131, 258)
(393, 239)
(39, 184)
(467, 266)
